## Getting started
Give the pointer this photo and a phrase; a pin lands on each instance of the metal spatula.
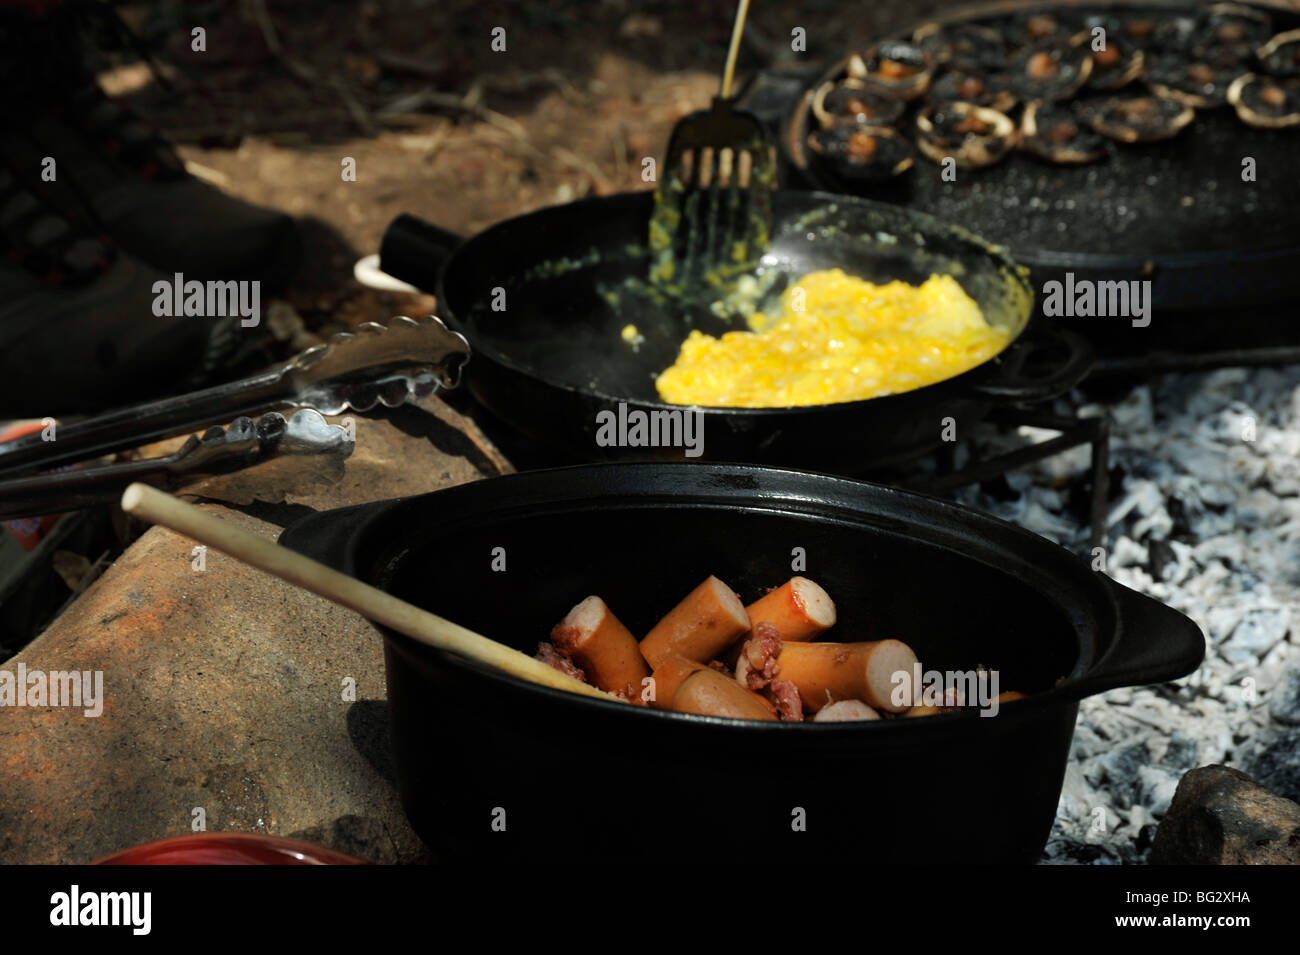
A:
(713, 206)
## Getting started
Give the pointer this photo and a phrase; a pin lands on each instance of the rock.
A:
(1277, 765)
(364, 837)
(1259, 631)
(222, 689)
(1285, 705)
(1220, 816)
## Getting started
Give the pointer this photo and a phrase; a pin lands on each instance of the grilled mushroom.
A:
(855, 100)
(1266, 101)
(901, 69)
(1229, 31)
(962, 46)
(1143, 30)
(1170, 33)
(863, 153)
(1049, 73)
(1116, 64)
(961, 86)
(1037, 28)
(1196, 83)
(1142, 119)
(972, 135)
(1056, 134)
(1280, 56)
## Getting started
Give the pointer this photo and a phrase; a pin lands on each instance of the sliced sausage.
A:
(846, 711)
(709, 692)
(827, 672)
(598, 642)
(700, 628)
(799, 609)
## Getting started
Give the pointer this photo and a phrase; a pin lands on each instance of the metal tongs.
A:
(376, 365)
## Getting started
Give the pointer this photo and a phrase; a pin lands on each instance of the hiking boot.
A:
(130, 179)
(78, 333)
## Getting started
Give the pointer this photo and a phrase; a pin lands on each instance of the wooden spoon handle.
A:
(383, 608)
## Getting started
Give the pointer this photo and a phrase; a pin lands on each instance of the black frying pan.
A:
(554, 358)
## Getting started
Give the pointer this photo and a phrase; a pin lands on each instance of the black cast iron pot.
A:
(574, 777)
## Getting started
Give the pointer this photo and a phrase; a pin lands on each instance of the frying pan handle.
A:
(415, 251)
(1153, 643)
(1044, 364)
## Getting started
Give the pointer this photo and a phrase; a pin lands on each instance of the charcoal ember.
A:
(1258, 632)
(1182, 527)
(1145, 837)
(1277, 765)
(1000, 489)
(1067, 851)
(1121, 773)
(1156, 787)
(1285, 703)
(1181, 752)
(1203, 516)
(1220, 816)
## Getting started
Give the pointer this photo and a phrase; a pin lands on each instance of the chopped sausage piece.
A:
(708, 692)
(799, 609)
(756, 665)
(552, 657)
(846, 711)
(598, 642)
(689, 687)
(789, 705)
(707, 622)
(668, 677)
(826, 672)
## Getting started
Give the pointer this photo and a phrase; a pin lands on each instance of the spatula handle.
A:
(733, 51)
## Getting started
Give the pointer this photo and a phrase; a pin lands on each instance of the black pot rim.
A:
(1087, 603)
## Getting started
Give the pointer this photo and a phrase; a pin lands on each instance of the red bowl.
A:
(229, 848)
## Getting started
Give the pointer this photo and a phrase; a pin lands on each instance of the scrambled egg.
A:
(837, 338)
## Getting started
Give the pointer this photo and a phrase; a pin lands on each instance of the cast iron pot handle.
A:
(1010, 382)
(333, 537)
(415, 251)
(1153, 644)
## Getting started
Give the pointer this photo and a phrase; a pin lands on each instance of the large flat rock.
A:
(224, 688)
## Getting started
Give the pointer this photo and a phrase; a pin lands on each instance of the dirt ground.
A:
(439, 124)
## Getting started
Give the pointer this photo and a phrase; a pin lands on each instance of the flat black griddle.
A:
(1177, 213)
